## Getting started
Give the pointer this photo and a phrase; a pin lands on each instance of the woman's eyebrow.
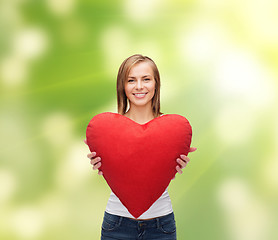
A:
(142, 76)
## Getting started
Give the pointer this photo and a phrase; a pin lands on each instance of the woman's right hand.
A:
(95, 161)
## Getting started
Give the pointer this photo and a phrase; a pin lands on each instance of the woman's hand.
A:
(95, 162)
(183, 161)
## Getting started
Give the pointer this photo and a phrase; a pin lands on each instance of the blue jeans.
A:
(120, 228)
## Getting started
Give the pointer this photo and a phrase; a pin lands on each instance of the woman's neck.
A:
(140, 115)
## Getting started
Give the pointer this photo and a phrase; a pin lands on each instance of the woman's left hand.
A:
(183, 161)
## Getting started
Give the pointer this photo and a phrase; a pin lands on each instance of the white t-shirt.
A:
(161, 207)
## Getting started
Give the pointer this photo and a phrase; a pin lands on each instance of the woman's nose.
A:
(139, 85)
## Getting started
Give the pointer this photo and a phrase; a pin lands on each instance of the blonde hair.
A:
(122, 76)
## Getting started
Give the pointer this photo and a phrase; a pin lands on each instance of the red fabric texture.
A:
(138, 160)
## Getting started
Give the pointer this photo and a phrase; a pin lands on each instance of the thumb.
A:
(192, 149)
(85, 141)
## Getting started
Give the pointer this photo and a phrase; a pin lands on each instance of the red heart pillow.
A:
(138, 160)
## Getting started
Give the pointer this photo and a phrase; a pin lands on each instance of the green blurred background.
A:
(218, 62)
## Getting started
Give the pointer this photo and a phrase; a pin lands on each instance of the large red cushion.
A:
(138, 160)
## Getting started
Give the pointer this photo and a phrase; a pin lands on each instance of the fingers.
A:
(91, 155)
(182, 161)
(96, 162)
(185, 158)
(96, 165)
(179, 169)
(182, 164)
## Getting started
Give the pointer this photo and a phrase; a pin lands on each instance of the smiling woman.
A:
(138, 84)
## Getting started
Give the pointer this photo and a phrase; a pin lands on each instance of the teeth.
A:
(140, 94)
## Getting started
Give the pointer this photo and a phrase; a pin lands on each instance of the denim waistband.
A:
(129, 222)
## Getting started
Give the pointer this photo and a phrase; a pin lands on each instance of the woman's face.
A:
(140, 85)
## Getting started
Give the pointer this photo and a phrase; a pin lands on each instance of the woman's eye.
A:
(130, 80)
(147, 79)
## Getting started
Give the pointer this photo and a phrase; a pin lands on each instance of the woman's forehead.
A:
(141, 69)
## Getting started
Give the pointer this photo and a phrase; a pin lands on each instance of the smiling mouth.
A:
(139, 95)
